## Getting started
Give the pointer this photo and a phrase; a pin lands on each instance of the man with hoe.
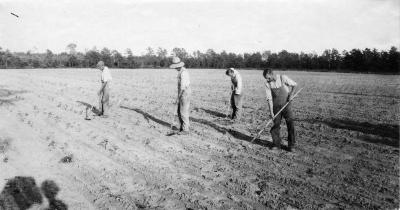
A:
(104, 92)
(236, 95)
(279, 89)
(184, 94)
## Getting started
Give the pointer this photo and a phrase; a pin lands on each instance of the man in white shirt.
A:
(184, 95)
(236, 96)
(279, 89)
(104, 92)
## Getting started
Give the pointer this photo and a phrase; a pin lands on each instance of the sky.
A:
(231, 25)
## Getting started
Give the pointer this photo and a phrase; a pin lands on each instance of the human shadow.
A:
(90, 107)
(363, 94)
(221, 129)
(22, 192)
(148, 116)
(50, 191)
(214, 113)
(382, 130)
(236, 134)
(7, 93)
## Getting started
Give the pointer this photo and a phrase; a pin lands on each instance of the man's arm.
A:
(291, 84)
(292, 88)
(271, 108)
(238, 89)
(184, 84)
(103, 85)
(269, 100)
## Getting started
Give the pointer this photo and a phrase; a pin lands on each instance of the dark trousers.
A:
(104, 101)
(275, 130)
(236, 104)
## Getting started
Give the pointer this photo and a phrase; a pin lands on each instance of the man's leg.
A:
(288, 115)
(185, 112)
(275, 131)
(238, 105)
(180, 115)
(233, 105)
(101, 103)
(106, 101)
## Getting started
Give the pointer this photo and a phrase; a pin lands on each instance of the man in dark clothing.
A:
(279, 89)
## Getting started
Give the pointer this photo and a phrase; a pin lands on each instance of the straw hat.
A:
(229, 70)
(176, 63)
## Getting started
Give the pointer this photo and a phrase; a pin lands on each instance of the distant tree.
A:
(117, 58)
(162, 57)
(393, 60)
(72, 48)
(130, 59)
(92, 57)
(48, 61)
(72, 60)
(149, 52)
(106, 56)
(180, 52)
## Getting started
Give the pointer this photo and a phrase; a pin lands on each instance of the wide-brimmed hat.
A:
(229, 70)
(176, 63)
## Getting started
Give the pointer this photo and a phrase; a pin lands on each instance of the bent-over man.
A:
(279, 89)
(184, 94)
(104, 92)
(236, 95)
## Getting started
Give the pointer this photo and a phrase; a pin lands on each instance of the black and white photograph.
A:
(199, 104)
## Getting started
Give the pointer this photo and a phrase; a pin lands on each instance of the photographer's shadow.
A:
(22, 193)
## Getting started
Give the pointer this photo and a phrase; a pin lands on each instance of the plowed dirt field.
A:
(347, 154)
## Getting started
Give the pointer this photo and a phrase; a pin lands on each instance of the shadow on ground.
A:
(22, 192)
(382, 130)
(6, 96)
(214, 113)
(362, 94)
(89, 107)
(236, 134)
(148, 116)
(221, 129)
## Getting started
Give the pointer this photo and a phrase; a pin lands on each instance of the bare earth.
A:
(347, 133)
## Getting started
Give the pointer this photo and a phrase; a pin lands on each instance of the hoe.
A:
(271, 120)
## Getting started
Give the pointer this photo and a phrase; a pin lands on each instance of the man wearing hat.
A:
(236, 95)
(104, 92)
(184, 94)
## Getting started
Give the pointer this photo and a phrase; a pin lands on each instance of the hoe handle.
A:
(271, 120)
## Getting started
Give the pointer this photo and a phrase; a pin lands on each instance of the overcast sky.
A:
(231, 25)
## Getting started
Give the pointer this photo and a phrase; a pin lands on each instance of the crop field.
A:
(347, 154)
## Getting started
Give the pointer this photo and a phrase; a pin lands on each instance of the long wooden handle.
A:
(271, 120)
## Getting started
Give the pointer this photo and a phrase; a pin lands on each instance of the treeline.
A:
(356, 60)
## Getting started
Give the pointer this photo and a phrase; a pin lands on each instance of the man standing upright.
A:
(236, 95)
(279, 89)
(104, 92)
(184, 94)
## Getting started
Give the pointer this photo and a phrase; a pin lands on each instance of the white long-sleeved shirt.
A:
(237, 84)
(183, 79)
(277, 84)
(106, 75)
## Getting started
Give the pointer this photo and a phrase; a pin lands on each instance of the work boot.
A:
(275, 148)
(291, 149)
(183, 133)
